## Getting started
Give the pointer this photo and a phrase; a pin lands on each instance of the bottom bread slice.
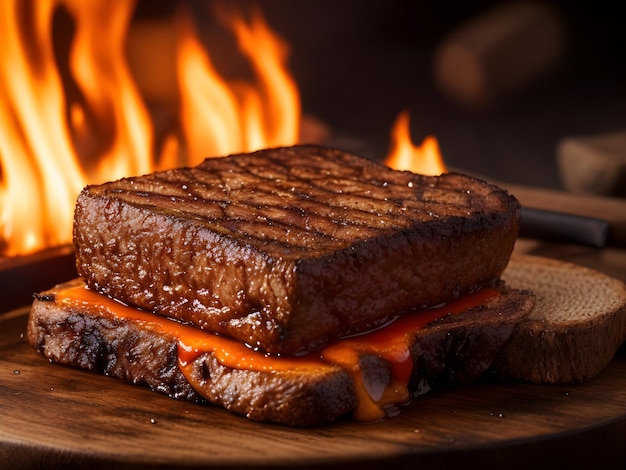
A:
(451, 346)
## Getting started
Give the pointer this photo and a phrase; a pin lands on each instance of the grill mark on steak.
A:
(300, 207)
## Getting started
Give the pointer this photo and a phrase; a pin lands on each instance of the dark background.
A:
(359, 63)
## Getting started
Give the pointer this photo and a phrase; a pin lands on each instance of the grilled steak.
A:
(454, 350)
(287, 248)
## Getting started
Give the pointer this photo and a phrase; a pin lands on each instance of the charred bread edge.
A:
(455, 350)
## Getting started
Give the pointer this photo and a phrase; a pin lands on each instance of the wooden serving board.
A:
(56, 416)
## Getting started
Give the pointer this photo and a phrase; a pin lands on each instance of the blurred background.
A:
(500, 84)
(359, 63)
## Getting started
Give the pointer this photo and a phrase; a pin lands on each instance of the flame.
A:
(266, 115)
(63, 129)
(111, 98)
(425, 159)
(40, 174)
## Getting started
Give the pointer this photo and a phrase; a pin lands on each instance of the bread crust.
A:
(455, 350)
(577, 326)
(286, 249)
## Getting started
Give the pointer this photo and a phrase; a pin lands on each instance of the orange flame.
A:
(40, 174)
(425, 159)
(53, 143)
(111, 98)
(216, 112)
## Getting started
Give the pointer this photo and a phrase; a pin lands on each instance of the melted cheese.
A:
(391, 344)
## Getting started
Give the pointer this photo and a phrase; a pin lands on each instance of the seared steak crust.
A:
(287, 248)
(456, 349)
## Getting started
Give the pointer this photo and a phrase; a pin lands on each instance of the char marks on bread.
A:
(286, 249)
(145, 349)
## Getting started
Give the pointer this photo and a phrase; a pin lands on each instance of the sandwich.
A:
(293, 285)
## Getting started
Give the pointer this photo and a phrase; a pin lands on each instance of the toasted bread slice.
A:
(72, 325)
(286, 249)
(575, 329)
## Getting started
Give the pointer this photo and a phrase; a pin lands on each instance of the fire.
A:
(40, 174)
(58, 134)
(425, 159)
(216, 112)
(112, 113)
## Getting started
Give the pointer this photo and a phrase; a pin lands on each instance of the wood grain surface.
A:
(53, 416)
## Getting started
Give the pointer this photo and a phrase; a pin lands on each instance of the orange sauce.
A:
(390, 343)
(393, 344)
